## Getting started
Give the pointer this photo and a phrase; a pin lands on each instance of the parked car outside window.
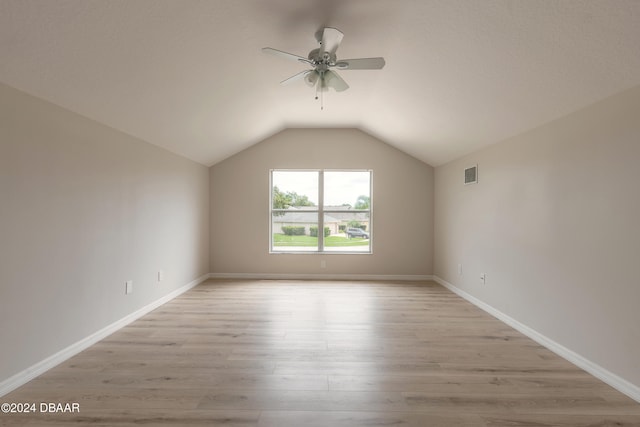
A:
(357, 232)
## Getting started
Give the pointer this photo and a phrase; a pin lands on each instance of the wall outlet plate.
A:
(160, 276)
(128, 287)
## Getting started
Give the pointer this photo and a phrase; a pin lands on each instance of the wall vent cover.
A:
(471, 175)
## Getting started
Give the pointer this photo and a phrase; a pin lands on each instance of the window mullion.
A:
(321, 211)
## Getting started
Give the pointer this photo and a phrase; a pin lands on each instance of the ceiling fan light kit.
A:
(324, 60)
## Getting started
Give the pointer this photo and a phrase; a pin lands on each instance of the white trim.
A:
(620, 384)
(41, 367)
(312, 276)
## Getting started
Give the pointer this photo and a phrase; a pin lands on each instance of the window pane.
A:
(294, 231)
(296, 205)
(348, 231)
(294, 188)
(347, 189)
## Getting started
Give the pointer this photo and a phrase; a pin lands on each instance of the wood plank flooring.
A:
(321, 354)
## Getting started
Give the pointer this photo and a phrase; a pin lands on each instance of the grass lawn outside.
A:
(330, 241)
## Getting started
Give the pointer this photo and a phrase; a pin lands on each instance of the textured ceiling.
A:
(189, 75)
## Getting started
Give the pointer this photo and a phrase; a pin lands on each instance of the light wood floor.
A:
(321, 354)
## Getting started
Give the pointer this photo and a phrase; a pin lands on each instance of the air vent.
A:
(471, 175)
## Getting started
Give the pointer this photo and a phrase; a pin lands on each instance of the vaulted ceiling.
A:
(189, 75)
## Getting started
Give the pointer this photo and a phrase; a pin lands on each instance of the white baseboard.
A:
(41, 367)
(304, 276)
(594, 369)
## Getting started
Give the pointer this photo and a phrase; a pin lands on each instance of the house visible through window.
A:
(321, 211)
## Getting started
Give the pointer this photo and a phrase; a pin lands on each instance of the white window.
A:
(320, 211)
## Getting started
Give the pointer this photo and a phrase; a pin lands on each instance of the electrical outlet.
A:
(483, 278)
(459, 269)
(323, 264)
(128, 287)
(160, 276)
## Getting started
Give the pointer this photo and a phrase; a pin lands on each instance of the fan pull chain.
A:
(321, 96)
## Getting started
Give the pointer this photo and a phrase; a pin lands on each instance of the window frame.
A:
(320, 211)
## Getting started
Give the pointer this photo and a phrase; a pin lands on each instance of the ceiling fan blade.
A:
(360, 64)
(333, 80)
(285, 55)
(331, 38)
(299, 76)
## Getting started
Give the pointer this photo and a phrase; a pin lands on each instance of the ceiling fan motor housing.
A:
(325, 59)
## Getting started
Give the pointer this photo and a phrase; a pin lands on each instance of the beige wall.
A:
(554, 222)
(83, 208)
(402, 205)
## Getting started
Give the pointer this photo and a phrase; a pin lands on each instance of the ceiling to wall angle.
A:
(189, 75)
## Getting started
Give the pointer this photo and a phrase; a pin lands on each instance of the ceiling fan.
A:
(323, 61)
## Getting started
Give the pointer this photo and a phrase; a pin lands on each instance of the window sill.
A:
(319, 253)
